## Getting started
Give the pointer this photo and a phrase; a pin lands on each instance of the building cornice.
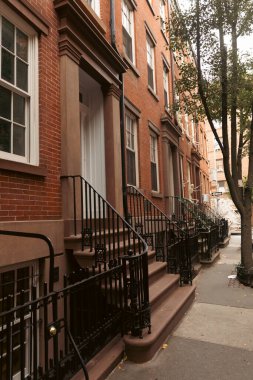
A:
(80, 32)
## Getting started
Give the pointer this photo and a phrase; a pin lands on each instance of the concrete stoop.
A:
(225, 242)
(214, 257)
(105, 361)
(168, 301)
(164, 320)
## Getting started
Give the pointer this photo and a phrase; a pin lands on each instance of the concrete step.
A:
(105, 361)
(163, 320)
(161, 289)
(156, 270)
(86, 258)
(214, 257)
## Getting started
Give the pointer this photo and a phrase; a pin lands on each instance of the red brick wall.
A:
(29, 197)
(136, 87)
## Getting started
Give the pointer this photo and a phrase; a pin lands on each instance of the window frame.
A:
(95, 6)
(154, 149)
(134, 150)
(166, 85)
(162, 12)
(131, 35)
(33, 280)
(31, 95)
(150, 46)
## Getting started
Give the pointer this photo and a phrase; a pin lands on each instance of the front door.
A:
(92, 134)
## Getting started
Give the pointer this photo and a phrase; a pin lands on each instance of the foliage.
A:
(215, 81)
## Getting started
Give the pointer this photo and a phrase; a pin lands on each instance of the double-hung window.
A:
(166, 85)
(151, 63)
(154, 162)
(18, 90)
(95, 5)
(131, 150)
(162, 15)
(15, 290)
(128, 30)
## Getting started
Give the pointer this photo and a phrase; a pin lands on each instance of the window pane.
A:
(18, 109)
(127, 43)
(22, 71)
(5, 136)
(22, 279)
(7, 66)
(19, 140)
(7, 283)
(154, 176)
(7, 35)
(5, 103)
(150, 77)
(22, 45)
(131, 169)
(165, 98)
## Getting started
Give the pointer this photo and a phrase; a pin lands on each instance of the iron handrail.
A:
(45, 238)
(166, 218)
(145, 247)
(77, 352)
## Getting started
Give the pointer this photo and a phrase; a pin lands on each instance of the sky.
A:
(245, 44)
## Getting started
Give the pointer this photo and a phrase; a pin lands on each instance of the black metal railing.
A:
(224, 229)
(51, 256)
(107, 236)
(54, 336)
(168, 239)
(200, 218)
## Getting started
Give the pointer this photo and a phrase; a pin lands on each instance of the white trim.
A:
(154, 138)
(135, 150)
(131, 31)
(151, 59)
(95, 5)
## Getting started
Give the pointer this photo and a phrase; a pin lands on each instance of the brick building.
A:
(86, 96)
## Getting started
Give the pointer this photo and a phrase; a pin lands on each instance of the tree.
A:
(216, 81)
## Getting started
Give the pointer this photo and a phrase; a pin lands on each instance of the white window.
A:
(18, 89)
(186, 121)
(95, 5)
(13, 282)
(193, 130)
(190, 188)
(154, 162)
(182, 175)
(219, 165)
(151, 63)
(128, 30)
(166, 85)
(131, 150)
(162, 15)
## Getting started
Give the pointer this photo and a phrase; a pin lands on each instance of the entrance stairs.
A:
(168, 301)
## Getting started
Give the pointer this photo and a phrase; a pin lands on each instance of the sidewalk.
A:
(215, 339)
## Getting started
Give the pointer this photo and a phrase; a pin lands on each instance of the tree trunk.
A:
(246, 232)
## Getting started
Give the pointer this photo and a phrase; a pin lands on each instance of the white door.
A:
(92, 139)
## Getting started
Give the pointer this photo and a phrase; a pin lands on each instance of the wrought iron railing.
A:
(168, 239)
(109, 237)
(53, 336)
(205, 223)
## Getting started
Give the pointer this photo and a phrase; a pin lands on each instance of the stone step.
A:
(156, 270)
(163, 320)
(162, 288)
(105, 361)
(86, 258)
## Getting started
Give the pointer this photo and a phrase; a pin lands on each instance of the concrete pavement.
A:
(215, 339)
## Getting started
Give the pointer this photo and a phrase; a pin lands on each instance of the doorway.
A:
(92, 133)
